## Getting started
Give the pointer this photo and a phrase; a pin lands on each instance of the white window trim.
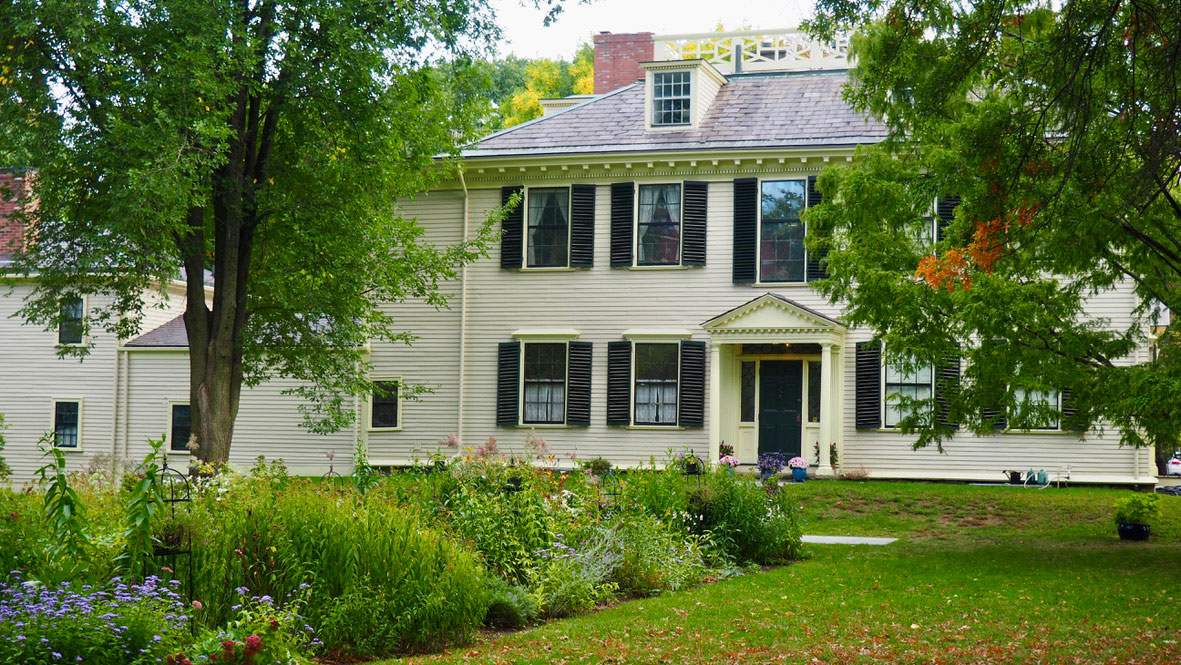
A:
(886, 396)
(657, 334)
(369, 410)
(545, 334)
(521, 384)
(168, 445)
(650, 101)
(53, 421)
(636, 228)
(659, 339)
(759, 235)
(85, 343)
(525, 228)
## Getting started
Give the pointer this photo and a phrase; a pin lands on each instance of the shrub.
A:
(654, 556)
(574, 578)
(663, 494)
(1137, 509)
(116, 624)
(259, 633)
(509, 606)
(747, 524)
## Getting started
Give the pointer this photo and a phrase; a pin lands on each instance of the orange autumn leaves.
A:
(953, 269)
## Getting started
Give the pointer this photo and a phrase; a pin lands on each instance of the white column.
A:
(715, 400)
(826, 400)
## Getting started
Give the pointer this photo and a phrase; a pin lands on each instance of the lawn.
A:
(980, 575)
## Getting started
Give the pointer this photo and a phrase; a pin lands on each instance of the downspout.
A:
(115, 415)
(462, 312)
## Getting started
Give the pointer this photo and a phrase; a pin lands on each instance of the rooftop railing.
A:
(755, 50)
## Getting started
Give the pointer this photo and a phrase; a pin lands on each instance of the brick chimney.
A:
(618, 58)
(13, 192)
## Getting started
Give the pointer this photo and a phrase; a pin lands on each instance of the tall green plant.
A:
(144, 507)
(65, 515)
(5, 470)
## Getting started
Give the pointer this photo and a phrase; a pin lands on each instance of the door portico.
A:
(774, 344)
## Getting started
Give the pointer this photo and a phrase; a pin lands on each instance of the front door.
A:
(780, 406)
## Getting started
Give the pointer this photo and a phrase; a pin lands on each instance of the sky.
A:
(525, 36)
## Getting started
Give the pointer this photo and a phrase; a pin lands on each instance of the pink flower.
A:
(197, 605)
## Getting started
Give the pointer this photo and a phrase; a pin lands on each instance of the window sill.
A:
(658, 268)
(545, 426)
(75, 449)
(553, 269)
(379, 430)
(657, 428)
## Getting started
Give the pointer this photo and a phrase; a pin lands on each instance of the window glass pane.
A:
(549, 224)
(182, 427)
(781, 252)
(545, 383)
(69, 330)
(65, 424)
(656, 383)
(385, 404)
(813, 391)
(1033, 400)
(659, 225)
(671, 97)
(900, 383)
(748, 392)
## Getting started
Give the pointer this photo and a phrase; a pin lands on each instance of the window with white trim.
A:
(672, 94)
(385, 410)
(657, 368)
(781, 233)
(180, 427)
(544, 383)
(67, 423)
(658, 225)
(69, 327)
(915, 384)
(548, 227)
(1035, 408)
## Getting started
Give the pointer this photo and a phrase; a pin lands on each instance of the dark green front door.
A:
(780, 406)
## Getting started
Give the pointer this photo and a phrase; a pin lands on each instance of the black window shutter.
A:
(623, 196)
(508, 383)
(582, 226)
(692, 391)
(1070, 419)
(513, 229)
(746, 229)
(619, 383)
(947, 383)
(945, 211)
(693, 223)
(816, 268)
(996, 415)
(578, 384)
(868, 404)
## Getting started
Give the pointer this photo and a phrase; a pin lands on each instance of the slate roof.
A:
(782, 110)
(171, 334)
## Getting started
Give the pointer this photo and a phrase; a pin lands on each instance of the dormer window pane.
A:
(659, 225)
(670, 98)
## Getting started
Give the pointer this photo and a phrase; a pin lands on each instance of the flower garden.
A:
(262, 567)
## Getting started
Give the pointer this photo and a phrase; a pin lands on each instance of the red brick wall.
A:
(618, 58)
(13, 189)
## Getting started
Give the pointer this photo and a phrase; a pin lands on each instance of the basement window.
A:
(671, 98)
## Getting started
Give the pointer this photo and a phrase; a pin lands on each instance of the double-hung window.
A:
(545, 383)
(672, 98)
(915, 384)
(657, 368)
(67, 423)
(180, 427)
(781, 234)
(69, 327)
(1035, 409)
(384, 409)
(658, 225)
(548, 229)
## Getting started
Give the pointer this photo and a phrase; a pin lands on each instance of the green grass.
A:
(981, 575)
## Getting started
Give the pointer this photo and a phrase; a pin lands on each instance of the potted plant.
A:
(691, 464)
(728, 462)
(770, 464)
(598, 466)
(725, 449)
(1135, 514)
(799, 469)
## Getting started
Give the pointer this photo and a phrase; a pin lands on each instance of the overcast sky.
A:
(525, 35)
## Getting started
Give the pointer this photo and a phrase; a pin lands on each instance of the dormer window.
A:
(671, 98)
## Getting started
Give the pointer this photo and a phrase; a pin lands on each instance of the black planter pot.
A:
(1134, 531)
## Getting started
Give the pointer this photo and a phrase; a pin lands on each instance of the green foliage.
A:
(260, 631)
(654, 556)
(509, 606)
(5, 470)
(65, 515)
(574, 577)
(749, 523)
(1047, 228)
(536, 80)
(145, 505)
(1138, 509)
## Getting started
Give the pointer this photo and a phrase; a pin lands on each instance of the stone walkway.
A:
(847, 540)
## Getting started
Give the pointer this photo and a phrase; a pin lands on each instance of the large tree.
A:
(1057, 126)
(262, 146)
